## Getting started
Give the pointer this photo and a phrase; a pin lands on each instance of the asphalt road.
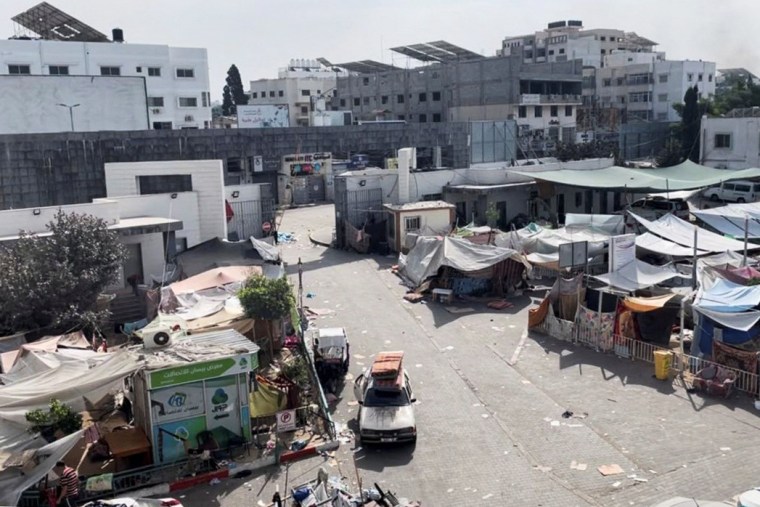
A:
(490, 399)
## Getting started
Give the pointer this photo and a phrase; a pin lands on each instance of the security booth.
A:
(193, 395)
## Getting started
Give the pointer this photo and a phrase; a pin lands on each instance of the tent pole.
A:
(746, 234)
(680, 334)
(694, 262)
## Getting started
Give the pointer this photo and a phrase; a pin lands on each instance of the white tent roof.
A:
(656, 244)
(730, 219)
(638, 275)
(682, 232)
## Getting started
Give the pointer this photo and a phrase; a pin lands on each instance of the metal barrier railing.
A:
(631, 348)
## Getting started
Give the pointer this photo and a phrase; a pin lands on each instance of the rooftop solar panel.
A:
(51, 23)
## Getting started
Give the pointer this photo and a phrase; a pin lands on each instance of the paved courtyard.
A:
(491, 399)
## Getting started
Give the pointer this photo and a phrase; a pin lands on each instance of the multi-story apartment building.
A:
(56, 44)
(296, 86)
(542, 98)
(567, 40)
(645, 86)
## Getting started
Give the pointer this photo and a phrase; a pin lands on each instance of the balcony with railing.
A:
(530, 99)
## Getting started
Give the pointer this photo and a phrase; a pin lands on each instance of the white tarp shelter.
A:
(638, 275)
(731, 219)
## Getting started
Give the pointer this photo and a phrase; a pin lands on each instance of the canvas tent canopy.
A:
(638, 275)
(732, 218)
(430, 253)
(684, 176)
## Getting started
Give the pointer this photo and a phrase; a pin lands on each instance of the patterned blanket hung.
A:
(596, 329)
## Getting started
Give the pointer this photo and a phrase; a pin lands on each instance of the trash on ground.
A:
(413, 297)
(499, 304)
(457, 309)
(612, 469)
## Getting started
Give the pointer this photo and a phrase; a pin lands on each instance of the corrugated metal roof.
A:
(223, 338)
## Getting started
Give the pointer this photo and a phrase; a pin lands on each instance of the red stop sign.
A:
(266, 227)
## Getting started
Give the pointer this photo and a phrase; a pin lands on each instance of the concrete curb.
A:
(313, 237)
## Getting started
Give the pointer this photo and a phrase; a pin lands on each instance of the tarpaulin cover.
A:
(742, 321)
(741, 276)
(537, 239)
(727, 297)
(267, 251)
(267, 399)
(724, 260)
(642, 304)
(431, 253)
(706, 329)
(610, 224)
(637, 275)
(656, 244)
(656, 326)
(217, 277)
(684, 176)
(731, 218)
(682, 232)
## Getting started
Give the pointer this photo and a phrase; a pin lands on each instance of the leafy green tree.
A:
(267, 299)
(235, 84)
(228, 108)
(691, 120)
(54, 281)
(58, 417)
(670, 154)
(737, 93)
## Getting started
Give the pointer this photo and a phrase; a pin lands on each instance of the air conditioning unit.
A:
(158, 338)
(156, 110)
(189, 117)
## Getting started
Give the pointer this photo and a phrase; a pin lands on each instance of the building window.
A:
(185, 73)
(342, 102)
(722, 140)
(662, 97)
(205, 99)
(436, 96)
(138, 70)
(254, 95)
(554, 111)
(58, 70)
(304, 110)
(154, 71)
(384, 99)
(690, 77)
(271, 93)
(188, 102)
(538, 111)
(165, 183)
(436, 117)
(280, 93)
(663, 78)
(607, 82)
(662, 116)
(423, 118)
(551, 52)
(263, 94)
(357, 101)
(709, 78)
(562, 51)
(620, 81)
(401, 117)
(568, 110)
(110, 71)
(423, 97)
(155, 102)
(412, 223)
(400, 99)
(640, 97)
(522, 112)
(365, 101)
(621, 99)
(365, 81)
(305, 93)
(699, 77)
(602, 38)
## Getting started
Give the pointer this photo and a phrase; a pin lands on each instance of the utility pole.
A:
(71, 113)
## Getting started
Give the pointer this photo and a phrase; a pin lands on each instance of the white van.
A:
(734, 191)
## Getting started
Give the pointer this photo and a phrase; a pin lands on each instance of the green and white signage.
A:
(194, 372)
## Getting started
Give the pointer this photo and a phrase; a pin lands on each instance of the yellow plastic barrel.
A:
(662, 360)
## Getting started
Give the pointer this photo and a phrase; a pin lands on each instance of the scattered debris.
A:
(725, 449)
(542, 468)
(613, 469)
(413, 297)
(310, 295)
(318, 311)
(555, 423)
(214, 482)
(567, 414)
(499, 304)
(456, 309)
(616, 484)
(242, 473)
(486, 497)
(574, 465)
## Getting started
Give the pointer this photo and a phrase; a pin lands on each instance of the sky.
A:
(261, 36)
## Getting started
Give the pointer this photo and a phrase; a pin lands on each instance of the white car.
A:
(749, 498)
(386, 413)
(734, 191)
(681, 501)
(134, 502)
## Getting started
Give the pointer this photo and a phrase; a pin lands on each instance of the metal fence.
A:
(248, 217)
(631, 348)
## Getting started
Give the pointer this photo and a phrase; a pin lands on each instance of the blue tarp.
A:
(730, 336)
(728, 297)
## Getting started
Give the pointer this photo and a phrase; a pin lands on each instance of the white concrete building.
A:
(296, 86)
(567, 40)
(41, 104)
(644, 86)
(176, 79)
(731, 143)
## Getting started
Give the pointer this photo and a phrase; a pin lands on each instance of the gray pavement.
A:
(490, 403)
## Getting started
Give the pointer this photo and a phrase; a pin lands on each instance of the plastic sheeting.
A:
(217, 277)
(536, 239)
(431, 253)
(727, 297)
(743, 321)
(684, 176)
(267, 251)
(682, 232)
(267, 399)
(637, 275)
(610, 224)
(652, 243)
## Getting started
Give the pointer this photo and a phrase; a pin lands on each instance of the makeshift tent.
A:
(557, 312)
(727, 297)
(708, 330)
(610, 224)
(216, 253)
(731, 219)
(684, 176)
(431, 253)
(725, 260)
(536, 239)
(212, 278)
(682, 232)
(656, 244)
(267, 398)
(74, 340)
(638, 275)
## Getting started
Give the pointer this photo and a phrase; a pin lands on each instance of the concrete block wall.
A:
(64, 168)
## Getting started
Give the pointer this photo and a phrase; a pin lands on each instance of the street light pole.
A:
(71, 113)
